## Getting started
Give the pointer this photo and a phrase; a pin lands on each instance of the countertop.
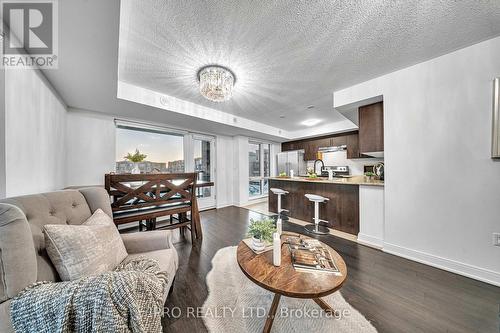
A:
(354, 180)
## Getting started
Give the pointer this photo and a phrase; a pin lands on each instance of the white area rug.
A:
(236, 304)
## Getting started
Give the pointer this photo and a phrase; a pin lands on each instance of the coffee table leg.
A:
(324, 305)
(272, 313)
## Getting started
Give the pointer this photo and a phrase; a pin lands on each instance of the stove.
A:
(338, 171)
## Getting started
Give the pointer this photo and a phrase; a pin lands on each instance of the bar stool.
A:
(317, 228)
(281, 212)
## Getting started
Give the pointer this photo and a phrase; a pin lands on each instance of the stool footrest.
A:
(317, 229)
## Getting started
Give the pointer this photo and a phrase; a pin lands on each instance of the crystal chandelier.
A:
(216, 83)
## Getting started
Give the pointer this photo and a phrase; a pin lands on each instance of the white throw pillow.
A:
(87, 249)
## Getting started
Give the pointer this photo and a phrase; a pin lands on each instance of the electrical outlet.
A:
(496, 238)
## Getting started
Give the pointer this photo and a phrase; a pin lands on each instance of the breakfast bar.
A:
(342, 211)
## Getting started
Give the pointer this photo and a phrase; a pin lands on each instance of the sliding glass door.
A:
(258, 169)
(204, 165)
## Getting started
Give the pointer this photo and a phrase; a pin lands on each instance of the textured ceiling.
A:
(288, 55)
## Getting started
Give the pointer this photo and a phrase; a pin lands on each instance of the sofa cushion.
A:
(82, 250)
(60, 207)
(17, 252)
(140, 242)
(97, 197)
(5, 321)
(168, 261)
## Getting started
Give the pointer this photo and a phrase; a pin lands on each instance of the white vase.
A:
(135, 169)
(258, 244)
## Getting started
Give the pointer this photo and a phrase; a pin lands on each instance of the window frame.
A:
(262, 178)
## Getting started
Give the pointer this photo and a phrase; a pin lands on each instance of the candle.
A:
(279, 226)
(276, 249)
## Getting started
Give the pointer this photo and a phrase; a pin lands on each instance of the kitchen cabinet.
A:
(310, 149)
(311, 146)
(287, 146)
(352, 145)
(371, 128)
(338, 140)
(369, 138)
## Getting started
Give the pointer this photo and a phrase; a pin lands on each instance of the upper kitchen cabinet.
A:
(352, 145)
(371, 129)
(311, 146)
(338, 141)
(287, 146)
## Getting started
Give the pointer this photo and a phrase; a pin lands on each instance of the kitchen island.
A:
(342, 211)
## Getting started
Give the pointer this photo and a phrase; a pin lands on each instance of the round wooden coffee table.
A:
(285, 280)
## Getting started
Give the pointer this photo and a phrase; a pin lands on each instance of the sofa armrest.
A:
(139, 242)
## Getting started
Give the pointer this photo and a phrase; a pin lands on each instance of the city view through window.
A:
(164, 152)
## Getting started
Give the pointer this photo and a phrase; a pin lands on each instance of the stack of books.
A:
(311, 255)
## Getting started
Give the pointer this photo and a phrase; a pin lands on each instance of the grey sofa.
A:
(23, 259)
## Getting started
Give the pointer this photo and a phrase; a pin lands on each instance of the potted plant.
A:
(369, 175)
(311, 174)
(136, 158)
(261, 232)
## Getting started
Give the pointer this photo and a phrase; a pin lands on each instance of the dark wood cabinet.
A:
(371, 128)
(286, 146)
(310, 149)
(338, 140)
(352, 146)
(311, 146)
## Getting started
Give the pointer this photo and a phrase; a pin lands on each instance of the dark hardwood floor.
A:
(395, 294)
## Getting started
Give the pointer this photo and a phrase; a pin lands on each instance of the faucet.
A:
(322, 166)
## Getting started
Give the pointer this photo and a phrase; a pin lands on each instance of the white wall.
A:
(90, 147)
(224, 171)
(442, 190)
(35, 126)
(371, 215)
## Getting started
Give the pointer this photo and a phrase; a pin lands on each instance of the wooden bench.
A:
(146, 197)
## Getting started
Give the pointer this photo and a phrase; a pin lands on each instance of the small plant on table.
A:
(261, 232)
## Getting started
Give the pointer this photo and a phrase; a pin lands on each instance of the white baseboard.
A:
(467, 270)
(370, 241)
(224, 205)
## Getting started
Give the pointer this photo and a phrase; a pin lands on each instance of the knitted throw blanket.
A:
(129, 299)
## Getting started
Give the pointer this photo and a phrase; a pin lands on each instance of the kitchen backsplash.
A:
(339, 158)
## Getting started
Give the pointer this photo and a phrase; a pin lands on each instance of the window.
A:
(259, 168)
(167, 151)
(164, 151)
(202, 164)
